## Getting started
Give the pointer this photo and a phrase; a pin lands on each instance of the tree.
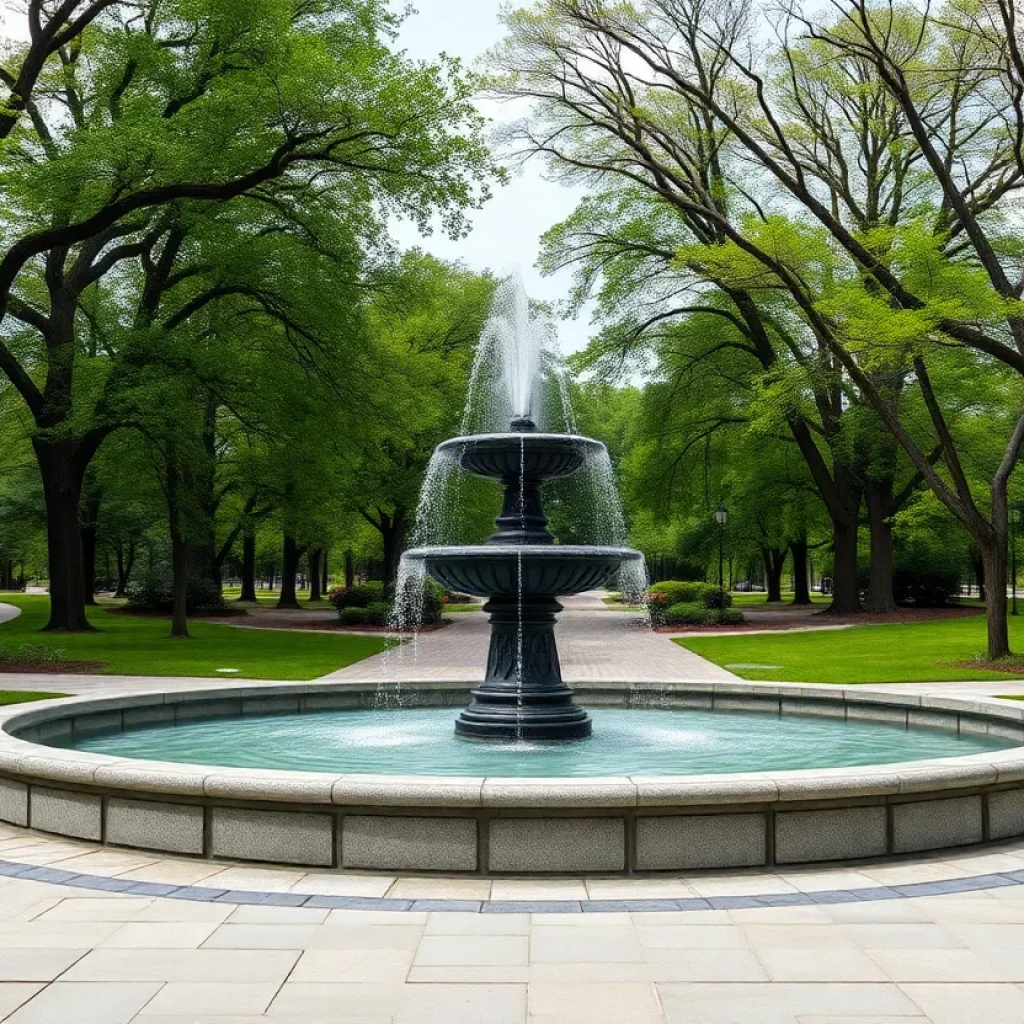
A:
(425, 319)
(153, 108)
(686, 320)
(884, 302)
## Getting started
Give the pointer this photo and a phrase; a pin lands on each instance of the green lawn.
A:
(24, 696)
(270, 597)
(739, 600)
(461, 608)
(754, 600)
(910, 652)
(139, 645)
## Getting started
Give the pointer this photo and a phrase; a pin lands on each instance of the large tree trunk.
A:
(248, 567)
(314, 574)
(62, 490)
(801, 587)
(845, 526)
(878, 497)
(993, 546)
(289, 569)
(179, 568)
(845, 588)
(774, 560)
(325, 583)
(993, 555)
(350, 569)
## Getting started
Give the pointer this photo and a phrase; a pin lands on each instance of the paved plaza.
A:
(95, 935)
(83, 955)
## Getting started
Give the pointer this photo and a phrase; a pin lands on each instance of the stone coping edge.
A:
(205, 894)
(23, 758)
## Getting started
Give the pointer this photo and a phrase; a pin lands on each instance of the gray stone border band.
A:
(206, 894)
(514, 826)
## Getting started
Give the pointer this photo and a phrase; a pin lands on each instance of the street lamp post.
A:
(721, 517)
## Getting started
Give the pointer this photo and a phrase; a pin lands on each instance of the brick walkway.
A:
(596, 644)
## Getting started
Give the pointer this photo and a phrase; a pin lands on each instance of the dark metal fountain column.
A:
(522, 695)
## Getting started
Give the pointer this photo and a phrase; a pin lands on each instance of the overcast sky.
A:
(506, 233)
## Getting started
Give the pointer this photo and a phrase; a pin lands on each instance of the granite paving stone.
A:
(14, 994)
(353, 965)
(189, 999)
(599, 998)
(968, 1004)
(37, 964)
(933, 939)
(186, 965)
(472, 950)
(116, 1003)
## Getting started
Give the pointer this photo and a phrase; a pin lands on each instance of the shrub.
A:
(457, 597)
(685, 613)
(375, 614)
(362, 595)
(154, 592)
(657, 605)
(675, 592)
(364, 604)
(714, 597)
(694, 613)
(433, 602)
(32, 654)
(679, 591)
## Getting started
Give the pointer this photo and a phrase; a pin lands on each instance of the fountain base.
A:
(523, 696)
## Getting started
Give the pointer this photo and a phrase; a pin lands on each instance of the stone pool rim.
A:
(514, 825)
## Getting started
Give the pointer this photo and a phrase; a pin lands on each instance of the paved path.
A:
(596, 644)
(82, 956)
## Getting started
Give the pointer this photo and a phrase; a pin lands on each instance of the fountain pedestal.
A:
(522, 695)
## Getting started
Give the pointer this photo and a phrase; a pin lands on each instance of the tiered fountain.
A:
(521, 569)
(717, 775)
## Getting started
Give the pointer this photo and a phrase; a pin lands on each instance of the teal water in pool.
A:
(625, 742)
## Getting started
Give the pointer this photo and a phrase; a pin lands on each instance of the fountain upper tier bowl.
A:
(533, 455)
(522, 570)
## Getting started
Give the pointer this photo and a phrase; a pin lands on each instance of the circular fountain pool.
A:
(629, 742)
(720, 776)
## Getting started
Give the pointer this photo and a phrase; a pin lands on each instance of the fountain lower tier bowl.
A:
(534, 456)
(678, 777)
(523, 571)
